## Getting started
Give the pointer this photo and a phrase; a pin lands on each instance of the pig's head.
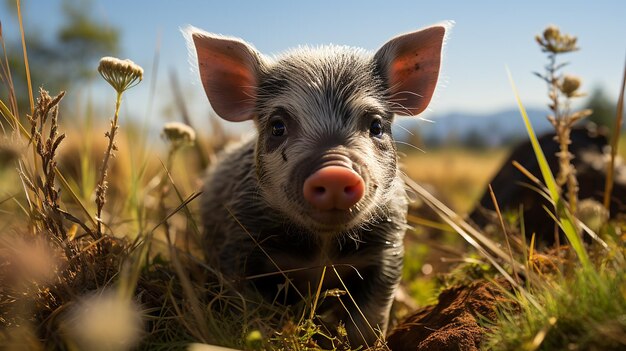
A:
(325, 156)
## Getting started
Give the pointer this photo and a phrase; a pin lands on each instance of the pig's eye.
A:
(376, 128)
(278, 128)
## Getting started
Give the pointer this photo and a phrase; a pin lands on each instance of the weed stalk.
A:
(610, 172)
(561, 90)
(121, 75)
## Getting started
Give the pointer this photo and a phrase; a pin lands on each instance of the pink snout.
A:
(333, 187)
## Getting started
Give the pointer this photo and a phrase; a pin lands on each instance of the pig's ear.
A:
(229, 70)
(409, 64)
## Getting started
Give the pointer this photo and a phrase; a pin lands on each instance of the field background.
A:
(474, 126)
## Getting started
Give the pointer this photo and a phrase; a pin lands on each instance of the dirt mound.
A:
(452, 324)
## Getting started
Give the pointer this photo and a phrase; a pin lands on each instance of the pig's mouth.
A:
(333, 218)
(337, 220)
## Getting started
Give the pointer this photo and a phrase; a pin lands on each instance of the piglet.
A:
(317, 192)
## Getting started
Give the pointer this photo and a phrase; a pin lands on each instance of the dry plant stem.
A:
(198, 146)
(562, 124)
(27, 68)
(506, 235)
(102, 183)
(28, 80)
(9, 81)
(614, 144)
(165, 189)
(47, 214)
(567, 172)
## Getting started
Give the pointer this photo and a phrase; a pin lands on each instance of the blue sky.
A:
(488, 35)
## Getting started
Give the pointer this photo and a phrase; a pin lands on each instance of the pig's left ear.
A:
(229, 70)
(410, 64)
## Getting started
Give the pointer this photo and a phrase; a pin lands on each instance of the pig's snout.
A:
(333, 187)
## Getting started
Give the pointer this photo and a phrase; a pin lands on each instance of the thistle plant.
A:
(178, 135)
(102, 321)
(121, 75)
(562, 89)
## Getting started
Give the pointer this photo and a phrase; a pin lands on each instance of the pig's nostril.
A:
(350, 190)
(333, 187)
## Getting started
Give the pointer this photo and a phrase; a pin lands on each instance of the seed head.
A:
(552, 32)
(569, 85)
(555, 42)
(103, 321)
(121, 74)
(254, 340)
(593, 214)
(30, 261)
(178, 133)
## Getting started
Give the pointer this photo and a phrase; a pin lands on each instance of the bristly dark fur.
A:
(256, 219)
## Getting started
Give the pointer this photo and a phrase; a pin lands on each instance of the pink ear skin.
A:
(228, 69)
(410, 64)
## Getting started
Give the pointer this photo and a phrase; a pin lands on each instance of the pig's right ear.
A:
(229, 70)
(409, 64)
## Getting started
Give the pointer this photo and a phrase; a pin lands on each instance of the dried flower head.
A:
(121, 74)
(569, 85)
(28, 261)
(178, 133)
(555, 42)
(593, 214)
(103, 321)
(254, 340)
(552, 32)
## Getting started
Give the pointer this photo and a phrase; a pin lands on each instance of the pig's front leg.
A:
(374, 301)
(364, 308)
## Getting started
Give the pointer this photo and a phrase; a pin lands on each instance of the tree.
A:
(72, 57)
(603, 108)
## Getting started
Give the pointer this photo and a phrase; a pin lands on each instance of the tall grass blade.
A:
(75, 197)
(455, 221)
(179, 100)
(7, 78)
(506, 235)
(358, 308)
(6, 113)
(541, 335)
(566, 222)
(26, 66)
(318, 293)
(480, 242)
(206, 347)
(12, 119)
(154, 75)
(187, 211)
(429, 224)
(257, 244)
(617, 131)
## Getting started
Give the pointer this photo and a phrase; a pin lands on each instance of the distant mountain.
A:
(497, 128)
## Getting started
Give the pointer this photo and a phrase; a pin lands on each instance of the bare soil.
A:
(451, 324)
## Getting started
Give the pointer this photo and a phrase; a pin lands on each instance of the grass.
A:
(584, 311)
(139, 260)
(579, 305)
(459, 175)
(133, 257)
